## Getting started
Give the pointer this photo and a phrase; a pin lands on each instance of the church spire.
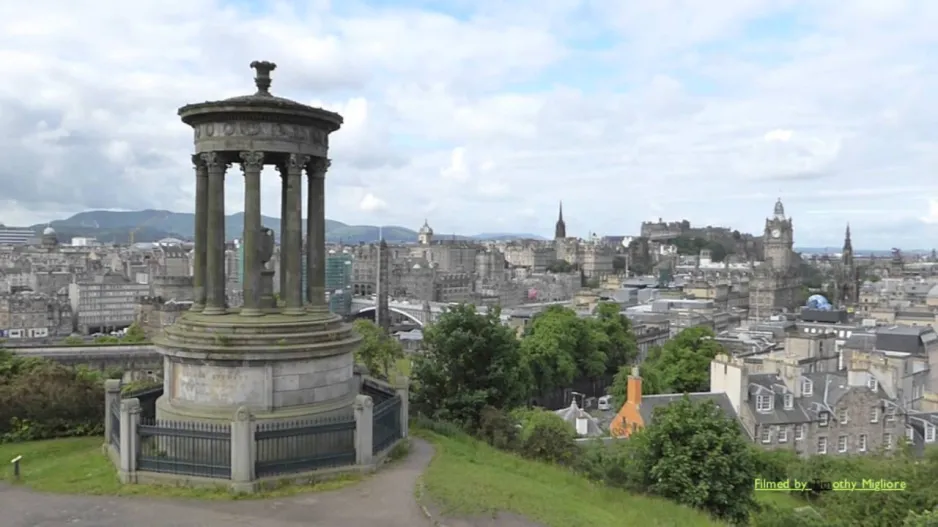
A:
(560, 231)
(848, 243)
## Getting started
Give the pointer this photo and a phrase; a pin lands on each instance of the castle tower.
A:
(560, 230)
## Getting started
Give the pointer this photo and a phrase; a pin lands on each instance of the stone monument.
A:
(286, 361)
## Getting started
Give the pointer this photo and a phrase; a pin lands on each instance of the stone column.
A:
(293, 238)
(130, 419)
(251, 164)
(402, 387)
(201, 229)
(316, 235)
(215, 302)
(283, 229)
(364, 430)
(243, 451)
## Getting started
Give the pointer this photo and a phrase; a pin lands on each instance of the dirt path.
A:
(386, 499)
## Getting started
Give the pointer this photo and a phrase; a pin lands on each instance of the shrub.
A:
(771, 516)
(545, 436)
(615, 464)
(498, 429)
(925, 519)
(774, 465)
(443, 428)
(40, 399)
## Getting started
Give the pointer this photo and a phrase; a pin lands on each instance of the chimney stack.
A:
(634, 390)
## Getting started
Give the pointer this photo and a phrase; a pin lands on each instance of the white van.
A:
(605, 403)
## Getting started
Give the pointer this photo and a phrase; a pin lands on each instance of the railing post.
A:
(243, 451)
(112, 398)
(364, 430)
(130, 440)
(402, 387)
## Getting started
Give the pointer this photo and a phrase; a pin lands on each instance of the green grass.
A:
(467, 477)
(78, 466)
(782, 500)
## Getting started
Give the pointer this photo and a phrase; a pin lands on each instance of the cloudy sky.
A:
(481, 115)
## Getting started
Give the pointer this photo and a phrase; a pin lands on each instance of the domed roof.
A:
(48, 231)
(262, 101)
(933, 292)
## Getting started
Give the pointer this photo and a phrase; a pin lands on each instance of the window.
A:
(764, 403)
(843, 416)
(789, 401)
(872, 384)
(825, 418)
(822, 445)
(929, 433)
(887, 441)
(861, 444)
(842, 444)
(891, 414)
(783, 434)
(799, 432)
(766, 434)
(807, 387)
(874, 414)
(910, 433)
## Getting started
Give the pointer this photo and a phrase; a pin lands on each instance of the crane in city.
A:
(133, 231)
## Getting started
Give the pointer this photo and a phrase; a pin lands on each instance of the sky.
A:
(480, 116)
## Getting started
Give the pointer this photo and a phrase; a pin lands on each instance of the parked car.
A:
(605, 403)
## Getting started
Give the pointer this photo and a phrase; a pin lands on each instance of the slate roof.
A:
(827, 391)
(573, 412)
(650, 402)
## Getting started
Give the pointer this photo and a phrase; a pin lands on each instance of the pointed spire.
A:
(848, 243)
(560, 217)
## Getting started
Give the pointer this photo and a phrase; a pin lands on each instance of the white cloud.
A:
(371, 203)
(682, 109)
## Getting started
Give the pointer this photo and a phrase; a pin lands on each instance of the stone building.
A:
(105, 303)
(28, 315)
(776, 283)
(785, 406)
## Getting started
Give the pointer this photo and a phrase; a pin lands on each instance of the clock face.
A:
(776, 233)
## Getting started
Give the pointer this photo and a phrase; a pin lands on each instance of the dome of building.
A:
(48, 231)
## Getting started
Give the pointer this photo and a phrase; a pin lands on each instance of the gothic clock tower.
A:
(779, 239)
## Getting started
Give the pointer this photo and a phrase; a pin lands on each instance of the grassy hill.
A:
(469, 478)
(151, 225)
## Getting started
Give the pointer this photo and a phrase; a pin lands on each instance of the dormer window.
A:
(807, 387)
(929, 433)
(789, 401)
(872, 384)
(764, 403)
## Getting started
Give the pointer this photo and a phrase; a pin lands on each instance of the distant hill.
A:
(152, 225)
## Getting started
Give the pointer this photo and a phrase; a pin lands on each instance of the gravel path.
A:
(386, 499)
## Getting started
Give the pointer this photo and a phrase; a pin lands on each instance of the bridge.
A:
(412, 311)
(140, 360)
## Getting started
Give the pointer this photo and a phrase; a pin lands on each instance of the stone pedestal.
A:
(278, 367)
(268, 301)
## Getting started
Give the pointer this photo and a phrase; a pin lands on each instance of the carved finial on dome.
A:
(262, 77)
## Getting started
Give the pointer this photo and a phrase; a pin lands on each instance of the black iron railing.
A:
(299, 446)
(378, 392)
(387, 424)
(194, 449)
(115, 417)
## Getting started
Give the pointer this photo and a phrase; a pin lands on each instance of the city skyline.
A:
(482, 116)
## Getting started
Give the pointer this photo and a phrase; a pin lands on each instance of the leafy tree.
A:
(695, 454)
(561, 346)
(378, 351)
(559, 266)
(134, 334)
(619, 345)
(471, 361)
(682, 365)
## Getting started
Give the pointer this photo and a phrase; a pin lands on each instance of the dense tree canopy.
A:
(695, 454)
(471, 361)
(561, 346)
(378, 351)
(682, 365)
